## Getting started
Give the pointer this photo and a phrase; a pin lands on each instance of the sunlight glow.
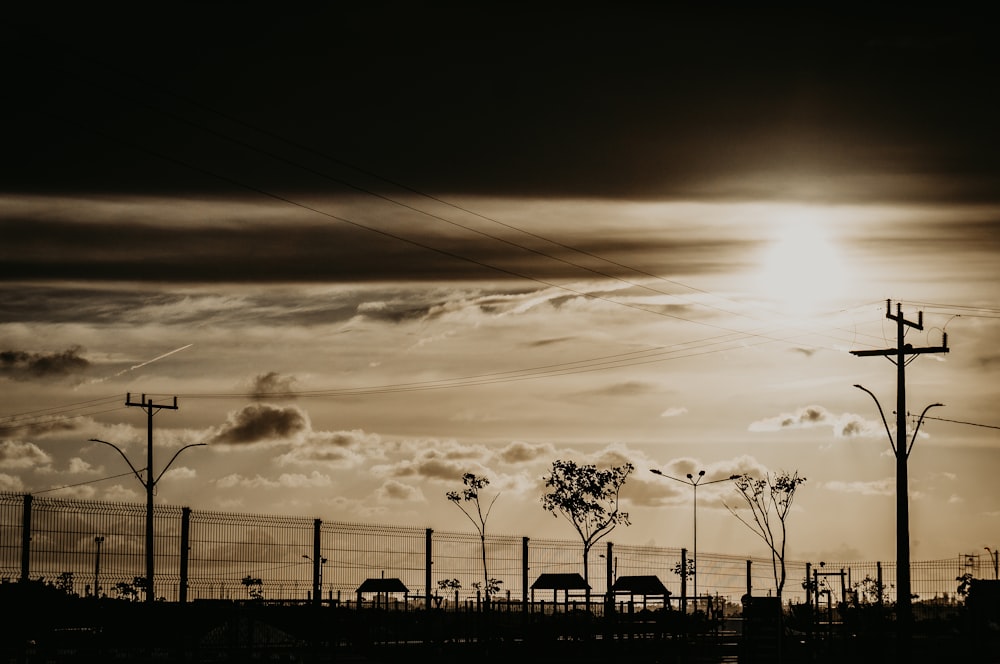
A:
(801, 269)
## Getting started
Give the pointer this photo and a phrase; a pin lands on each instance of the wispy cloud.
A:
(883, 487)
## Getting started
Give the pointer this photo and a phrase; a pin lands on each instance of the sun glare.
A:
(801, 269)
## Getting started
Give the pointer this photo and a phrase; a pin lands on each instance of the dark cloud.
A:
(630, 102)
(813, 415)
(854, 427)
(549, 342)
(520, 452)
(626, 389)
(23, 365)
(56, 247)
(44, 428)
(393, 311)
(272, 384)
(261, 423)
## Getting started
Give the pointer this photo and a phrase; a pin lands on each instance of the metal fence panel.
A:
(89, 545)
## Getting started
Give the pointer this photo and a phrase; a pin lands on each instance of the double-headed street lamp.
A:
(149, 483)
(901, 448)
(694, 482)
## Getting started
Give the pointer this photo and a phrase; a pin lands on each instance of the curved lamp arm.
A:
(919, 422)
(886, 424)
(174, 457)
(136, 472)
(656, 471)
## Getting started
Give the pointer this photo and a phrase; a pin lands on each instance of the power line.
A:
(971, 424)
(52, 419)
(70, 486)
(324, 175)
(401, 238)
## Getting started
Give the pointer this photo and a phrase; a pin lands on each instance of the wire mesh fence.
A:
(91, 547)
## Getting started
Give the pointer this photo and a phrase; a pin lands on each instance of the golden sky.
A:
(370, 250)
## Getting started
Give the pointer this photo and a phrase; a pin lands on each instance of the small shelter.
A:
(557, 582)
(645, 585)
(381, 587)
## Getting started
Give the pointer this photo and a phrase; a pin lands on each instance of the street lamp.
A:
(901, 448)
(694, 482)
(149, 483)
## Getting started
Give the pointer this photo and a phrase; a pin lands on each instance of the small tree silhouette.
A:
(254, 586)
(964, 583)
(473, 485)
(65, 582)
(447, 584)
(679, 569)
(588, 498)
(770, 498)
(131, 591)
(868, 591)
(492, 587)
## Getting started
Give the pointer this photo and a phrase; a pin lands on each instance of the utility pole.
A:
(150, 483)
(904, 606)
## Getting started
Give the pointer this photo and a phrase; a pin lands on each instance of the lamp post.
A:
(995, 559)
(901, 448)
(694, 482)
(149, 483)
(97, 566)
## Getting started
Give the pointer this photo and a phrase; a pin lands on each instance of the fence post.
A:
(26, 538)
(610, 582)
(317, 561)
(524, 574)
(808, 584)
(684, 581)
(749, 583)
(878, 583)
(185, 547)
(428, 561)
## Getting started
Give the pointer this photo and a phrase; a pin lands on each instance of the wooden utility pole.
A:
(901, 448)
(149, 483)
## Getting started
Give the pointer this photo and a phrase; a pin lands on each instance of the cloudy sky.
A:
(372, 249)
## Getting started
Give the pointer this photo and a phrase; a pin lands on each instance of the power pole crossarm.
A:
(907, 350)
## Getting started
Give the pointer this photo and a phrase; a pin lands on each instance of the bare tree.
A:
(770, 500)
(589, 499)
(473, 485)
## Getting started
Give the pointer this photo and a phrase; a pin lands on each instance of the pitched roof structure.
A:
(382, 586)
(640, 585)
(560, 582)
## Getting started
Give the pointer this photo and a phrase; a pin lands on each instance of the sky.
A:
(371, 249)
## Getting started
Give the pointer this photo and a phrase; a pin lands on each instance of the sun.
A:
(801, 268)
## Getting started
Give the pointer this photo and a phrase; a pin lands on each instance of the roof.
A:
(560, 582)
(382, 586)
(640, 585)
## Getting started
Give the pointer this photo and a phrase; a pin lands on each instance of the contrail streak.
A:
(160, 357)
(141, 364)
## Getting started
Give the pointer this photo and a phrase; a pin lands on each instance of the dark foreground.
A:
(90, 630)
